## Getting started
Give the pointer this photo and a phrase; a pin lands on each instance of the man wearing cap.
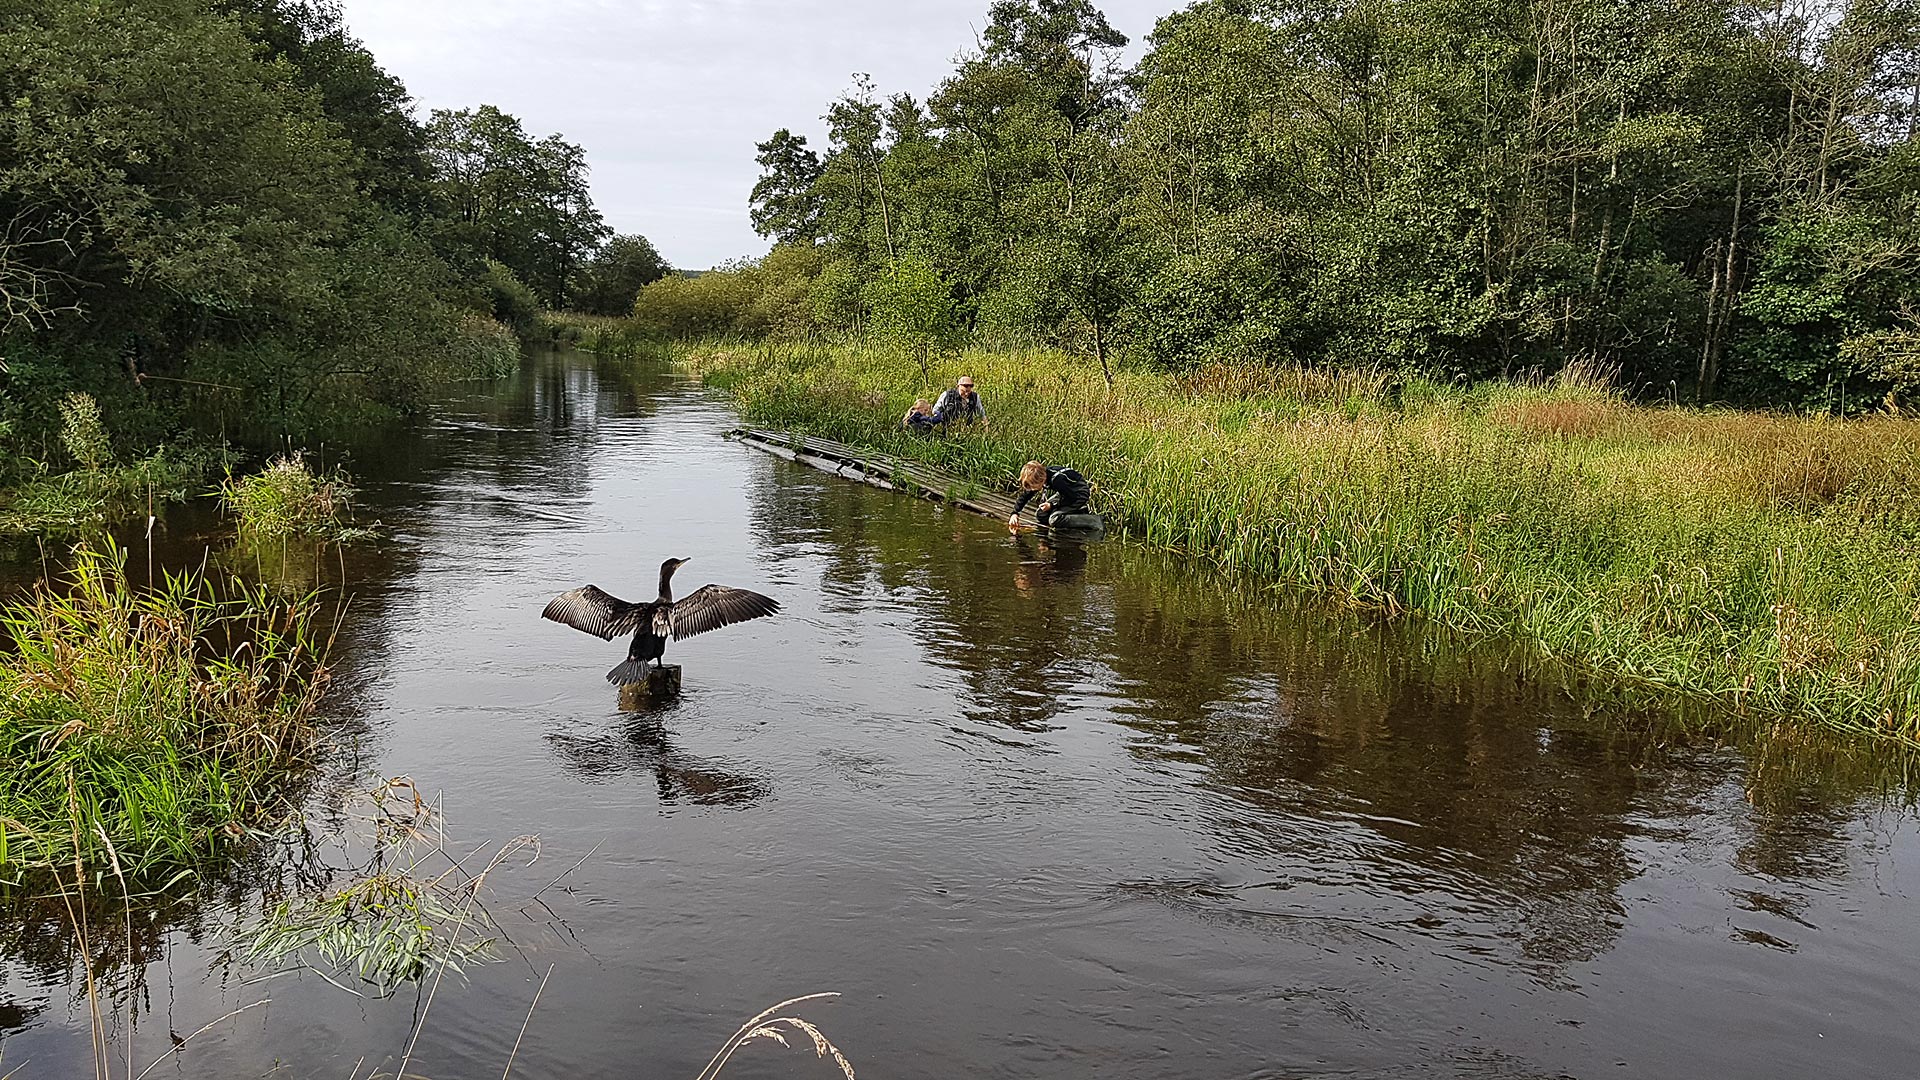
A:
(960, 403)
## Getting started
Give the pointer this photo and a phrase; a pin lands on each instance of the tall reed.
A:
(1768, 564)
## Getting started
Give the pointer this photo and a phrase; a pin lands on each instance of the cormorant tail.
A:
(628, 672)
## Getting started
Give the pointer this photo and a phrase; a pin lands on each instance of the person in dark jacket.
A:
(921, 417)
(1067, 491)
(961, 403)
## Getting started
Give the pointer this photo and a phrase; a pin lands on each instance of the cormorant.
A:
(604, 615)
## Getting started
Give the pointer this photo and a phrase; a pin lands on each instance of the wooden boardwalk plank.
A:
(894, 474)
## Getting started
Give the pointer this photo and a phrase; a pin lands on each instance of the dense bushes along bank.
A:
(1763, 563)
(222, 220)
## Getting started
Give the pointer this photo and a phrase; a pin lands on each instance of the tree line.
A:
(208, 198)
(1716, 197)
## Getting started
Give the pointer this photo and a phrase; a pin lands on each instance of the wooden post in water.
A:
(661, 687)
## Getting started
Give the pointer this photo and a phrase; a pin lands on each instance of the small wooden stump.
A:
(662, 686)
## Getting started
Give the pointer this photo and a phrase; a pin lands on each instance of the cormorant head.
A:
(667, 568)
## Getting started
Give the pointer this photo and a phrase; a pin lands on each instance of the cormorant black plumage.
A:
(604, 615)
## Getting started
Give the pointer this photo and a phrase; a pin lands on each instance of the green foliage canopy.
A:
(1701, 193)
(230, 202)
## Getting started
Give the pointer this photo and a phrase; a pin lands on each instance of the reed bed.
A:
(151, 729)
(1765, 564)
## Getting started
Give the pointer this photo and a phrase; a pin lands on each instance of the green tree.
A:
(179, 211)
(509, 198)
(1702, 193)
(618, 272)
(913, 310)
(784, 204)
(372, 108)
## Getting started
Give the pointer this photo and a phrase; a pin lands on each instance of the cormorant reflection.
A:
(641, 744)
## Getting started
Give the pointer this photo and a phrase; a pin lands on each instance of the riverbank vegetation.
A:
(1401, 302)
(101, 488)
(222, 222)
(150, 729)
(1765, 564)
(1712, 197)
(605, 335)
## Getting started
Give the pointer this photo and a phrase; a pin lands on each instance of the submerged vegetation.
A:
(150, 729)
(1766, 564)
(412, 910)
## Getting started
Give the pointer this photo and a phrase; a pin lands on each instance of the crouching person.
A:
(961, 404)
(1067, 491)
(920, 418)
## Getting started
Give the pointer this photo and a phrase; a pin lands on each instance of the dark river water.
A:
(1033, 810)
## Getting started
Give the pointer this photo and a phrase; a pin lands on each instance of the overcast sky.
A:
(669, 96)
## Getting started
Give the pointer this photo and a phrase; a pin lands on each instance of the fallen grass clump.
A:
(149, 729)
(410, 910)
(289, 499)
(1769, 565)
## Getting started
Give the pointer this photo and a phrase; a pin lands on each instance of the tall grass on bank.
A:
(488, 350)
(1764, 563)
(159, 726)
(36, 501)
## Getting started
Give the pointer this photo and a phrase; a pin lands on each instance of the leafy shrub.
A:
(511, 301)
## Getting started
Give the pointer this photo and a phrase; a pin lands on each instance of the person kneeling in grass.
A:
(1067, 491)
(960, 404)
(920, 417)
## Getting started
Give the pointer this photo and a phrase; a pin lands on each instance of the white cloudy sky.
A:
(669, 96)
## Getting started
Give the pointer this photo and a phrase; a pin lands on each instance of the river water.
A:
(1032, 810)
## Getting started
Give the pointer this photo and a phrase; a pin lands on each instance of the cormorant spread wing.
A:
(711, 607)
(596, 612)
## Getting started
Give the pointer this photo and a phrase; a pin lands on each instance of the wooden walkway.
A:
(891, 473)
